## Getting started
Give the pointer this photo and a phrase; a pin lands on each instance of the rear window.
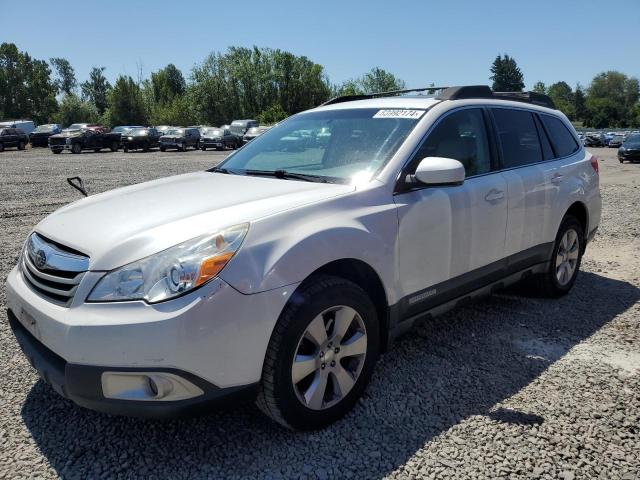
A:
(562, 140)
(518, 137)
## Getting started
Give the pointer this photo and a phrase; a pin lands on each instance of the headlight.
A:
(172, 272)
(67, 141)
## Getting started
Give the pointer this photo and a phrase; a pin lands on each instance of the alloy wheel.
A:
(329, 357)
(567, 257)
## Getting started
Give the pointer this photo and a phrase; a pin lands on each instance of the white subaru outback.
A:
(285, 271)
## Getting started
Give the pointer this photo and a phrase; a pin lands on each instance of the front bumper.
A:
(633, 155)
(83, 384)
(215, 338)
(211, 143)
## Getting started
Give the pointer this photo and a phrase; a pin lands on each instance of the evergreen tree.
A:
(506, 75)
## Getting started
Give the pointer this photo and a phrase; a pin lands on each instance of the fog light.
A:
(147, 386)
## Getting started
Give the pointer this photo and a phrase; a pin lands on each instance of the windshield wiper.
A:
(222, 170)
(307, 177)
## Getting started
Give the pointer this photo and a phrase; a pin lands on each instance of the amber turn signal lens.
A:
(210, 267)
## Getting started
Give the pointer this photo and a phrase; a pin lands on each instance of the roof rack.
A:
(483, 91)
(390, 93)
(457, 93)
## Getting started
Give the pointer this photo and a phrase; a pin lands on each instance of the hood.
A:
(123, 225)
(68, 133)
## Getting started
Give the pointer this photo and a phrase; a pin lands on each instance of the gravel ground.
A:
(511, 387)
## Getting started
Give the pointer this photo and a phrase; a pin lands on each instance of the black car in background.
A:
(40, 136)
(616, 141)
(92, 138)
(219, 138)
(630, 149)
(252, 133)
(594, 140)
(140, 138)
(13, 137)
(180, 138)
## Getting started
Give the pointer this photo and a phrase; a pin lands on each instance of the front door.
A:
(452, 238)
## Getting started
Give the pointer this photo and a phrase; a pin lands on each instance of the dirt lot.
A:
(512, 387)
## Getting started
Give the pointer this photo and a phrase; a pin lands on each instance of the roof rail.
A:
(390, 93)
(456, 93)
(483, 91)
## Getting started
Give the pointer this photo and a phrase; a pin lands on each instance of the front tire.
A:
(565, 259)
(114, 146)
(76, 148)
(162, 149)
(57, 151)
(321, 354)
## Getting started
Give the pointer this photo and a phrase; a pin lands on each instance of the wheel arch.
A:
(366, 277)
(579, 210)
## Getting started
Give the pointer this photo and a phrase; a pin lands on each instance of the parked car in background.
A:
(593, 140)
(180, 139)
(94, 137)
(163, 128)
(616, 141)
(253, 132)
(27, 126)
(13, 137)
(630, 149)
(40, 136)
(219, 138)
(240, 127)
(78, 126)
(140, 138)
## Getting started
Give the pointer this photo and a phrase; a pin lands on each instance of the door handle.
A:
(494, 195)
(557, 178)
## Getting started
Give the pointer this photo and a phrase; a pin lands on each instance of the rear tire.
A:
(183, 147)
(162, 149)
(125, 149)
(334, 364)
(57, 151)
(203, 148)
(1, 147)
(21, 146)
(96, 150)
(565, 260)
(114, 146)
(76, 148)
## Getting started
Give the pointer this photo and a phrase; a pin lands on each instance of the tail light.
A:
(594, 164)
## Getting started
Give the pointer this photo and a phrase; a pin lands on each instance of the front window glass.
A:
(44, 128)
(335, 144)
(462, 136)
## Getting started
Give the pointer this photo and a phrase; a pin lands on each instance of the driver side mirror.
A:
(440, 171)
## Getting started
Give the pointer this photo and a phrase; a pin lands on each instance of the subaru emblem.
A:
(40, 259)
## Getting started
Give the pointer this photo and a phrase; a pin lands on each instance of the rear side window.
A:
(561, 138)
(518, 137)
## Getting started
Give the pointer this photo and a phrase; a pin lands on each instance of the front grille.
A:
(57, 141)
(52, 270)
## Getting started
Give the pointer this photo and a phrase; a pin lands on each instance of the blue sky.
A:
(446, 42)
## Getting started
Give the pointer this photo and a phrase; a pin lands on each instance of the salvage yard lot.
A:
(513, 386)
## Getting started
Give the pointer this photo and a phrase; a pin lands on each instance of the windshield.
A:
(76, 126)
(633, 139)
(212, 131)
(45, 128)
(336, 144)
(120, 129)
(175, 131)
(138, 131)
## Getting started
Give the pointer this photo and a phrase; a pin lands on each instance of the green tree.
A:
(74, 110)
(167, 83)
(579, 103)
(26, 88)
(379, 80)
(540, 87)
(273, 114)
(562, 96)
(244, 82)
(125, 103)
(66, 77)
(506, 75)
(611, 100)
(96, 89)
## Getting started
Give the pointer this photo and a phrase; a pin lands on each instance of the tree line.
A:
(610, 100)
(262, 83)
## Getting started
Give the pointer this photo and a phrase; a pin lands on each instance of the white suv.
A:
(283, 273)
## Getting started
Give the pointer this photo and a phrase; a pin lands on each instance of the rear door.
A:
(451, 238)
(531, 176)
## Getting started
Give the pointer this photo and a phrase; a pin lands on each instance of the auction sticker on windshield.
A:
(397, 113)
